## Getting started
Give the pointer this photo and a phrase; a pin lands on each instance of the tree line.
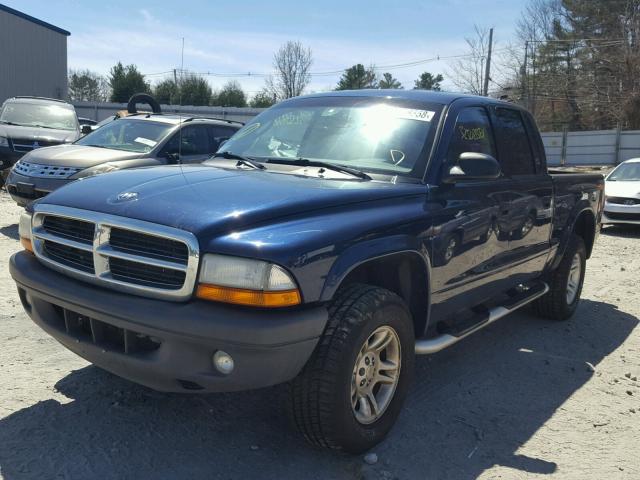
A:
(579, 63)
(574, 64)
(291, 65)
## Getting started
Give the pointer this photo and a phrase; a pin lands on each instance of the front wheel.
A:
(351, 391)
(565, 283)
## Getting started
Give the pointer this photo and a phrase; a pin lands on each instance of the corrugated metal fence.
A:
(591, 148)
(99, 111)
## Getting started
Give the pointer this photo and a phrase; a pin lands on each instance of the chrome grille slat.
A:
(108, 251)
(147, 271)
(44, 235)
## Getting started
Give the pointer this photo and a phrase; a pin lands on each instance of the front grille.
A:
(106, 336)
(71, 257)
(623, 216)
(26, 144)
(623, 201)
(141, 244)
(69, 228)
(44, 171)
(120, 253)
(144, 274)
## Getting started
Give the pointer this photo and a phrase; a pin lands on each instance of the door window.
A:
(513, 143)
(194, 141)
(472, 133)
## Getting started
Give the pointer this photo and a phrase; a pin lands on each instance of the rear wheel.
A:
(565, 283)
(351, 391)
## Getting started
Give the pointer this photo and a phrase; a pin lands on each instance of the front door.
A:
(470, 243)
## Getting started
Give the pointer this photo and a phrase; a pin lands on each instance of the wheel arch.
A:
(585, 227)
(407, 273)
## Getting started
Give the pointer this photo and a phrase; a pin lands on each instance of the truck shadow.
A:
(623, 231)
(472, 406)
(10, 231)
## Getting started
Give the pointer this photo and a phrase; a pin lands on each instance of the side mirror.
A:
(473, 166)
(85, 129)
(172, 157)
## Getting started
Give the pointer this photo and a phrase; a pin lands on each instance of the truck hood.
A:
(622, 189)
(38, 134)
(79, 156)
(211, 200)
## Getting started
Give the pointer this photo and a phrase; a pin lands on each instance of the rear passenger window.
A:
(472, 133)
(514, 149)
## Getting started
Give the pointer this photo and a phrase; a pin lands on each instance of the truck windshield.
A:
(627, 172)
(365, 133)
(127, 134)
(24, 114)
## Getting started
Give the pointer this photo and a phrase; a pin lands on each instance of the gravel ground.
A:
(524, 398)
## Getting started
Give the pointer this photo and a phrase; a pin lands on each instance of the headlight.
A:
(243, 281)
(4, 142)
(97, 170)
(24, 231)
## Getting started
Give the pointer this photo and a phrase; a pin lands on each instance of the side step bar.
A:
(425, 346)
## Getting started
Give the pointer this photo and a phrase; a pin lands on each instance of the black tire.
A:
(554, 305)
(143, 98)
(320, 397)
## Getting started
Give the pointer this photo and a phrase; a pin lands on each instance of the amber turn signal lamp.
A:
(253, 298)
(26, 244)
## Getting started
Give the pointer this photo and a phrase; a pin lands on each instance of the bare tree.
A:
(467, 73)
(292, 63)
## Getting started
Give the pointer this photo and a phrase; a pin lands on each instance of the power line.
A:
(395, 66)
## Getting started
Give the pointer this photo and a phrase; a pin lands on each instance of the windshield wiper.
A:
(45, 126)
(13, 123)
(305, 162)
(242, 160)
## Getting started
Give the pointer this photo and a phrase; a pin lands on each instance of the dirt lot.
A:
(524, 398)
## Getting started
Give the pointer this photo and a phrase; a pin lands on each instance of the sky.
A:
(236, 40)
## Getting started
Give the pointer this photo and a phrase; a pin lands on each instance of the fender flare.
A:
(364, 252)
(566, 234)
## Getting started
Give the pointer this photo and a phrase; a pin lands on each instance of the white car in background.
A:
(622, 194)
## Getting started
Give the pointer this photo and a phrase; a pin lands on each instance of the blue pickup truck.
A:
(328, 242)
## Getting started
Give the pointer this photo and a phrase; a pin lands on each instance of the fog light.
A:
(223, 362)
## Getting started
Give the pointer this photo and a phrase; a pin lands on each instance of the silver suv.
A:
(134, 141)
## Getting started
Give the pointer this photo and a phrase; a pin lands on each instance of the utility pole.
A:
(525, 89)
(175, 76)
(487, 70)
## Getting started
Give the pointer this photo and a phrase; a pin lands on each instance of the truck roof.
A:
(431, 96)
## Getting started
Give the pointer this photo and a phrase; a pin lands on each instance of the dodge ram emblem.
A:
(127, 197)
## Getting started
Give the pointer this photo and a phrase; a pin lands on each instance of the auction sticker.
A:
(413, 114)
(146, 141)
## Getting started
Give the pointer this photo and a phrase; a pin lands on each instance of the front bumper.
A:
(24, 189)
(178, 340)
(618, 213)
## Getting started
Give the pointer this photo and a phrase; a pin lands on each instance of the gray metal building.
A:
(33, 56)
